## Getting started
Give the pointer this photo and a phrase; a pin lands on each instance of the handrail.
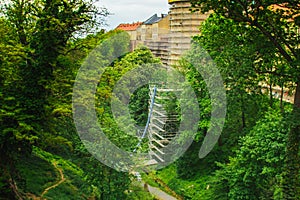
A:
(148, 120)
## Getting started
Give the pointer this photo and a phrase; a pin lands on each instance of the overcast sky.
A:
(129, 11)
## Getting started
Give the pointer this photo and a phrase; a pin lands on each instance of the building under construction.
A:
(184, 24)
(168, 36)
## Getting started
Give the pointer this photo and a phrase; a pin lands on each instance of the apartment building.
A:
(168, 36)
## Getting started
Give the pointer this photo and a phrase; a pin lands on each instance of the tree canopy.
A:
(278, 22)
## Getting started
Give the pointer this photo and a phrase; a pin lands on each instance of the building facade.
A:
(168, 36)
(131, 29)
(184, 24)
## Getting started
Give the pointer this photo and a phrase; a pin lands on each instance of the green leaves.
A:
(255, 170)
(35, 79)
(139, 101)
(278, 64)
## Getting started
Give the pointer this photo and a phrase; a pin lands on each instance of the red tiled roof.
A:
(129, 27)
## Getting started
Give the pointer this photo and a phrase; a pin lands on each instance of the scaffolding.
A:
(163, 122)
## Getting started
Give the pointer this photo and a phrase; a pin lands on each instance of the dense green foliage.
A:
(251, 160)
(44, 43)
(139, 113)
(276, 22)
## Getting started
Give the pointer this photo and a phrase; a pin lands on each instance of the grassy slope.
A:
(42, 170)
(39, 172)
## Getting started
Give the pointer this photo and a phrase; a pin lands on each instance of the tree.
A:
(231, 47)
(45, 27)
(108, 80)
(278, 21)
(13, 140)
(235, 49)
(255, 171)
(35, 35)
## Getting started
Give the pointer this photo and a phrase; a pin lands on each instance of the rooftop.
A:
(154, 19)
(129, 27)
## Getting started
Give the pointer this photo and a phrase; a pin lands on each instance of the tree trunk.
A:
(291, 190)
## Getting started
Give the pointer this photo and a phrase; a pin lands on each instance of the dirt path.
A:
(161, 195)
(158, 193)
(62, 179)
